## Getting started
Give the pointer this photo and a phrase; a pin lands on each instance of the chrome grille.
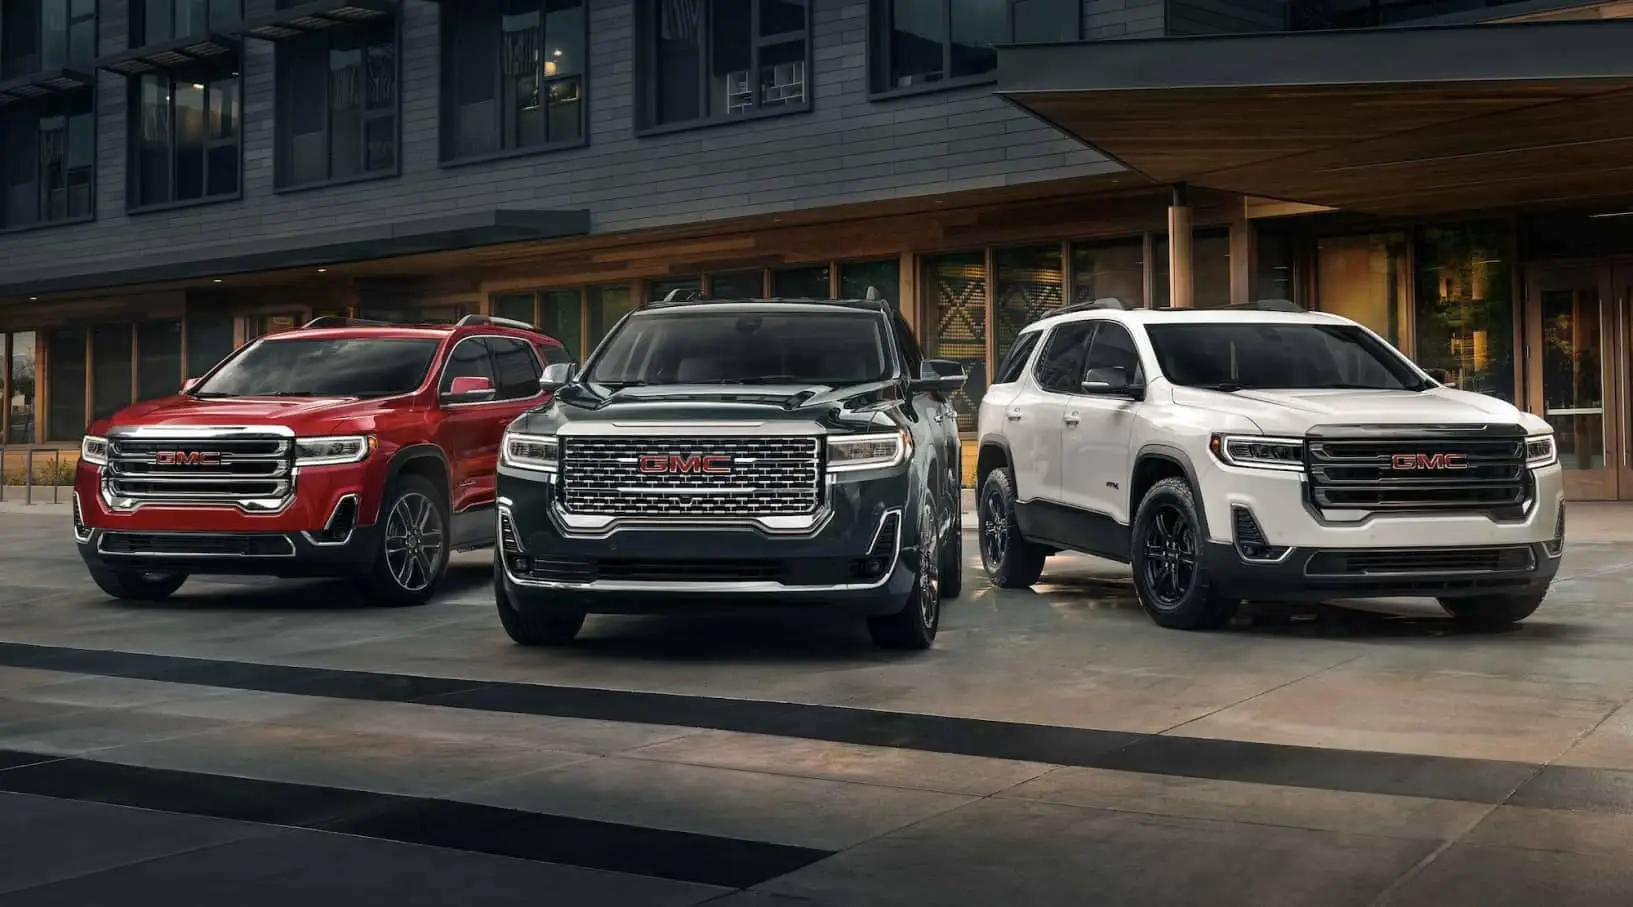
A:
(768, 476)
(201, 469)
(1360, 473)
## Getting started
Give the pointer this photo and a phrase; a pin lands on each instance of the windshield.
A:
(692, 347)
(1278, 356)
(329, 367)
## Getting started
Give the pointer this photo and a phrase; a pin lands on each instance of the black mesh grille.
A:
(225, 544)
(1365, 562)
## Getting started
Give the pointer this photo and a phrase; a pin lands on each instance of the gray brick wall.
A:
(848, 149)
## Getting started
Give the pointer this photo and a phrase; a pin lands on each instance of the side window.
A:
(911, 355)
(1060, 368)
(517, 368)
(1114, 349)
(468, 360)
(1014, 364)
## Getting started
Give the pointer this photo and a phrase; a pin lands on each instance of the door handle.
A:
(1013, 415)
(1072, 418)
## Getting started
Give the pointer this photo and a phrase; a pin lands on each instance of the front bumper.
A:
(1319, 574)
(853, 556)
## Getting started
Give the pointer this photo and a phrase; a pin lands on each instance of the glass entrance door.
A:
(1576, 347)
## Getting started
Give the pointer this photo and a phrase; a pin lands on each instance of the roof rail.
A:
(341, 321)
(1261, 305)
(682, 294)
(495, 321)
(1105, 302)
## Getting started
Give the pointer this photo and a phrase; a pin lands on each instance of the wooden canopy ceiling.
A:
(1381, 121)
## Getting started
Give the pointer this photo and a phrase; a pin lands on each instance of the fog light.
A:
(521, 564)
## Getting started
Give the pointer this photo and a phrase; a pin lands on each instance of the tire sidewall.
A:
(996, 486)
(382, 574)
(1169, 493)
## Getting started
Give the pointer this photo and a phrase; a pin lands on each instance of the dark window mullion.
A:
(705, 38)
(947, 39)
(170, 140)
(506, 112)
(756, 84)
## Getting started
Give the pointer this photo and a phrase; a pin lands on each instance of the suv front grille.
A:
(1414, 473)
(663, 476)
(200, 470)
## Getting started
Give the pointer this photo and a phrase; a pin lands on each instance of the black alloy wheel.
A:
(1011, 561)
(1170, 573)
(1170, 556)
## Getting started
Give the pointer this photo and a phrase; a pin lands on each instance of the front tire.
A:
(412, 554)
(531, 628)
(1166, 554)
(137, 586)
(1491, 612)
(1010, 560)
(914, 627)
(952, 554)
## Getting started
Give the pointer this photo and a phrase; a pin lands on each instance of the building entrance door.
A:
(1578, 338)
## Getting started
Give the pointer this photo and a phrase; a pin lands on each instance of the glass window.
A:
(154, 21)
(669, 347)
(20, 408)
(1465, 305)
(1113, 269)
(513, 75)
(801, 283)
(47, 159)
(1365, 279)
(470, 359)
(923, 42)
(885, 275)
(658, 289)
(441, 314)
(709, 59)
(64, 29)
(1030, 285)
(517, 368)
(955, 290)
(158, 359)
(1210, 269)
(561, 317)
(1060, 368)
(1014, 365)
(65, 383)
(20, 38)
(184, 140)
(1264, 355)
(296, 366)
(606, 306)
(741, 285)
(261, 325)
(209, 340)
(515, 306)
(1113, 350)
(110, 369)
(337, 104)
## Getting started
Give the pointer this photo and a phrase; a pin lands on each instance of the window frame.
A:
(1108, 326)
(877, 62)
(139, 36)
(646, 70)
(281, 112)
(448, 135)
(1090, 327)
(133, 113)
(33, 107)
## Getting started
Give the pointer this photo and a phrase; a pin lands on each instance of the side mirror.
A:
(469, 389)
(939, 376)
(1111, 382)
(556, 376)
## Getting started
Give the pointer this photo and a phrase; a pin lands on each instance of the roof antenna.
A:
(872, 294)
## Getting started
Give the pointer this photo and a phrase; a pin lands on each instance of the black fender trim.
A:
(414, 453)
(1001, 443)
(1157, 450)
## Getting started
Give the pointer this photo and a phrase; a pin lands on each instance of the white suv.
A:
(1261, 452)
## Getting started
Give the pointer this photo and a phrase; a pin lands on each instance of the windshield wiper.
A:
(1221, 386)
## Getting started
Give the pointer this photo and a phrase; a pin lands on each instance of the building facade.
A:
(181, 176)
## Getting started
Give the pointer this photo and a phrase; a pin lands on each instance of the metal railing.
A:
(43, 467)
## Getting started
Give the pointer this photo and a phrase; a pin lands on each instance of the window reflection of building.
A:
(1465, 305)
(1364, 279)
(21, 390)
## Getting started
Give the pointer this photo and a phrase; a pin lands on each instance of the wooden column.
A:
(1244, 257)
(1181, 279)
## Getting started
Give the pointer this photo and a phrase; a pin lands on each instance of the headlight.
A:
(848, 453)
(1540, 452)
(332, 451)
(94, 450)
(1260, 452)
(536, 452)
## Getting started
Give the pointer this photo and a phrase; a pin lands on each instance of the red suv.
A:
(346, 448)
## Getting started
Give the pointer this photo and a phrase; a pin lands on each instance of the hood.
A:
(306, 415)
(848, 408)
(1295, 411)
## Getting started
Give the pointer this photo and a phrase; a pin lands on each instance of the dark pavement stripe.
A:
(612, 847)
(1361, 771)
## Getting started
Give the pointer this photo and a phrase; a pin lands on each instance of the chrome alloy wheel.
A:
(929, 567)
(414, 541)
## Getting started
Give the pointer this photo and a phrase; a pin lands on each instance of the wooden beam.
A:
(1181, 275)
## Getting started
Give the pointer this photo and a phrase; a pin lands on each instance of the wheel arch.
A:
(426, 461)
(1156, 462)
(992, 454)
